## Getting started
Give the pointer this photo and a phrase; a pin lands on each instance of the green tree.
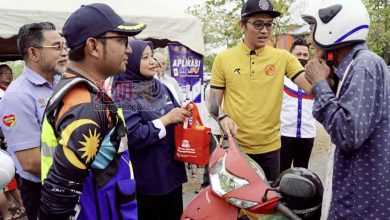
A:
(379, 35)
(282, 24)
(220, 20)
(208, 62)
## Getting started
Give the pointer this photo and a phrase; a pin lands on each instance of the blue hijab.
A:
(148, 92)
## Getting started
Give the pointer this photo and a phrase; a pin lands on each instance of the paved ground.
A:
(317, 164)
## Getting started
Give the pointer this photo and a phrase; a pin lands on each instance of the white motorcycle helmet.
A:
(7, 169)
(337, 22)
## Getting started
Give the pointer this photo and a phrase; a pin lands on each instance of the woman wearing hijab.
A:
(150, 113)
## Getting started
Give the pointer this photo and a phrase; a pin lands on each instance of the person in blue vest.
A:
(151, 113)
(86, 170)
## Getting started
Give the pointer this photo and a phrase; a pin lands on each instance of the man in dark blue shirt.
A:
(357, 116)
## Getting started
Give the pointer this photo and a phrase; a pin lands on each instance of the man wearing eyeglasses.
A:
(165, 78)
(24, 102)
(249, 78)
(6, 77)
(86, 170)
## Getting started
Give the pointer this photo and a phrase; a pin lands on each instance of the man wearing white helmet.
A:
(357, 116)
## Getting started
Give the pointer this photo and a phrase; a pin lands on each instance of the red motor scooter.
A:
(238, 182)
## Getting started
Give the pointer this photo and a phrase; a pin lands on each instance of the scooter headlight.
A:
(243, 204)
(222, 181)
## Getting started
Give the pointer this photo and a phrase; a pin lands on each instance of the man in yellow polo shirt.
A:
(249, 78)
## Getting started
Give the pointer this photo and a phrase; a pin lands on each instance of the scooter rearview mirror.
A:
(294, 185)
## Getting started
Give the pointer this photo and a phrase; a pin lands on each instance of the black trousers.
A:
(296, 151)
(269, 162)
(31, 197)
(162, 207)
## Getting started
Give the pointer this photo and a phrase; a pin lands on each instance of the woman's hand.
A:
(176, 115)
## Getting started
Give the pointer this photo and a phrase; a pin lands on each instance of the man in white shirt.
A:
(298, 127)
(166, 79)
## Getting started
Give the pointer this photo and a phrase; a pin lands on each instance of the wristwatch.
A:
(222, 116)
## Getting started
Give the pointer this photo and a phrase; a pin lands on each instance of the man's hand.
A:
(316, 70)
(229, 126)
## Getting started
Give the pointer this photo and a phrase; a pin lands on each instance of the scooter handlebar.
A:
(286, 212)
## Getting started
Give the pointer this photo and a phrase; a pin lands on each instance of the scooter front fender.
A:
(207, 205)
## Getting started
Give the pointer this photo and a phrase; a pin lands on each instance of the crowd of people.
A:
(81, 152)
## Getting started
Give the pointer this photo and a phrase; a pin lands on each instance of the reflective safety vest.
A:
(48, 146)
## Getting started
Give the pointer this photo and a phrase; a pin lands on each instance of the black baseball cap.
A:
(94, 20)
(252, 7)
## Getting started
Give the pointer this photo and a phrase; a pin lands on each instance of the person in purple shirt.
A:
(357, 117)
(22, 107)
(151, 113)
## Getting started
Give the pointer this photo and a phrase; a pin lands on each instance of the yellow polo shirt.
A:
(253, 84)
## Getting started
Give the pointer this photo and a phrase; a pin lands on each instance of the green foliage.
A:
(379, 35)
(208, 62)
(220, 20)
(281, 23)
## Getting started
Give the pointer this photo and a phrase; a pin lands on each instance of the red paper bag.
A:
(192, 140)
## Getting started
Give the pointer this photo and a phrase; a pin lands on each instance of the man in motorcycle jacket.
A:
(86, 170)
(357, 116)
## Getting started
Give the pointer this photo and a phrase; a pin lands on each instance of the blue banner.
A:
(187, 68)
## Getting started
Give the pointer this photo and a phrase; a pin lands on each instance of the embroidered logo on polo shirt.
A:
(270, 70)
(41, 102)
(9, 120)
(237, 71)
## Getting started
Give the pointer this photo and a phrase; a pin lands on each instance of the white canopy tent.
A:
(163, 24)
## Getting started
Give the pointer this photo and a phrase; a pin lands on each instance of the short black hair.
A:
(31, 35)
(5, 66)
(299, 42)
(78, 54)
(244, 20)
